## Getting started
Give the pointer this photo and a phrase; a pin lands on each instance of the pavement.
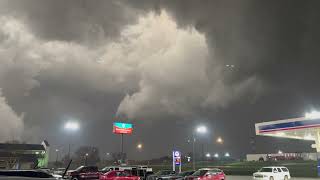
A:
(250, 178)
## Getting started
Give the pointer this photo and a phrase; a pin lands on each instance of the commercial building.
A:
(282, 156)
(24, 156)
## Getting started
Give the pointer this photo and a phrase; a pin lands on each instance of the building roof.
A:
(20, 147)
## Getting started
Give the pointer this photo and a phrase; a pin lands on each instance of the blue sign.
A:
(177, 157)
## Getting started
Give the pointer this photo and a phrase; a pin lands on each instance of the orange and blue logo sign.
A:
(122, 128)
(177, 157)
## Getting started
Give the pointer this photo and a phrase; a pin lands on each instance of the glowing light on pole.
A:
(219, 140)
(139, 146)
(71, 126)
(200, 130)
(227, 155)
(216, 155)
(208, 155)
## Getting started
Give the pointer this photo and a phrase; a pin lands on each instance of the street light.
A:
(208, 155)
(219, 140)
(86, 158)
(227, 155)
(200, 130)
(216, 155)
(280, 152)
(139, 146)
(57, 155)
(71, 126)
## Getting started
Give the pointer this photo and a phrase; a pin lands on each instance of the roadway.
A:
(250, 178)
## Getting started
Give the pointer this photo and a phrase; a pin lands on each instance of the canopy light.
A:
(313, 115)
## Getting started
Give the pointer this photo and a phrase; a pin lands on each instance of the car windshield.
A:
(185, 173)
(159, 173)
(79, 168)
(265, 170)
(200, 173)
(105, 169)
(215, 170)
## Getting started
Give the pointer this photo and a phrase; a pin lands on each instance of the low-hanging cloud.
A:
(11, 124)
(162, 68)
(174, 78)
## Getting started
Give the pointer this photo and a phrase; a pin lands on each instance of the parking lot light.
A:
(216, 155)
(219, 140)
(139, 146)
(201, 129)
(227, 155)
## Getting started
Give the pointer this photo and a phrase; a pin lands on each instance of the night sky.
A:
(164, 65)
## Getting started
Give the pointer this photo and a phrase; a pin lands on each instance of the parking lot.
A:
(250, 178)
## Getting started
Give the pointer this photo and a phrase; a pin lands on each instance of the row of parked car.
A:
(143, 173)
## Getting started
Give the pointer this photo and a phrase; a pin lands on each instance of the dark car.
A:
(182, 175)
(179, 176)
(164, 174)
(84, 173)
(4, 174)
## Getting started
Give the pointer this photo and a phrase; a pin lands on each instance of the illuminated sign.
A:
(177, 158)
(122, 128)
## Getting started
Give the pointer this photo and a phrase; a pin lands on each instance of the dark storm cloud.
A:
(91, 22)
(160, 63)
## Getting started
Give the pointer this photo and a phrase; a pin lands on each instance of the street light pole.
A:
(200, 130)
(71, 126)
(86, 158)
(57, 155)
(193, 153)
(121, 159)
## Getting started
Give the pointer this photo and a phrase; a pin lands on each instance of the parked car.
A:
(109, 168)
(118, 175)
(207, 174)
(179, 176)
(30, 174)
(164, 174)
(272, 173)
(84, 173)
(59, 171)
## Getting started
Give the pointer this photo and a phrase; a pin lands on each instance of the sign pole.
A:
(173, 161)
(122, 148)
(122, 128)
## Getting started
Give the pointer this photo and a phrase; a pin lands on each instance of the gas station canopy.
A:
(305, 128)
(299, 128)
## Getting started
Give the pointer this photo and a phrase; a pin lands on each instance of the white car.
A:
(272, 173)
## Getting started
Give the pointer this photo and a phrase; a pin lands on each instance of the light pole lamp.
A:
(199, 130)
(71, 126)
(86, 158)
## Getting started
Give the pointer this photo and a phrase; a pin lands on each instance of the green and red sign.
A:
(122, 128)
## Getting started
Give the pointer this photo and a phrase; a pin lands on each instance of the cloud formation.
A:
(11, 124)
